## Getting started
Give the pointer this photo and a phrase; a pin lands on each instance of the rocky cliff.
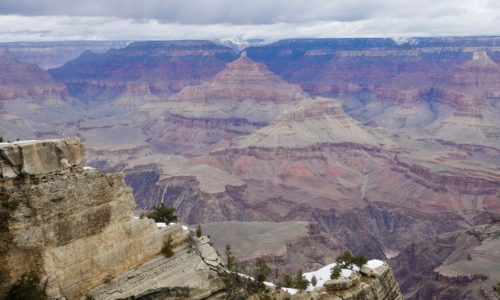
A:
(74, 226)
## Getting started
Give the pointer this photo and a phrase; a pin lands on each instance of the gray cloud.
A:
(180, 19)
(244, 11)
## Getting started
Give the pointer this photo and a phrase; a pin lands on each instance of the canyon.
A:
(73, 225)
(387, 149)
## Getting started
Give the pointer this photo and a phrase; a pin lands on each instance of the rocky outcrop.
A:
(73, 225)
(378, 283)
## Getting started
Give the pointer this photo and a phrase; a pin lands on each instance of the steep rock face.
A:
(378, 283)
(159, 67)
(464, 266)
(74, 226)
(20, 80)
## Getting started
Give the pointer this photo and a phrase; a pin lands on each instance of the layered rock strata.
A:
(378, 283)
(74, 226)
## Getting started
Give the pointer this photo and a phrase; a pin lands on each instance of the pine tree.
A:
(288, 280)
(262, 270)
(301, 282)
(335, 271)
(198, 231)
(163, 214)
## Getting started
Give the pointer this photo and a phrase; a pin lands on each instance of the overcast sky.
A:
(42, 20)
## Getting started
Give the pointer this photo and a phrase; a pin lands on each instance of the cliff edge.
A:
(73, 226)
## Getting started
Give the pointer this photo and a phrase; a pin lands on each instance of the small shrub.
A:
(198, 231)
(168, 249)
(347, 260)
(142, 216)
(163, 214)
(314, 281)
(288, 280)
(1, 139)
(335, 272)
(26, 288)
(262, 270)
(496, 289)
(300, 281)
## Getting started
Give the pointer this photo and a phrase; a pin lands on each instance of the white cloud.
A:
(192, 19)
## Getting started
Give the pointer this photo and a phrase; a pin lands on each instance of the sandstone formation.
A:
(242, 97)
(74, 226)
(311, 122)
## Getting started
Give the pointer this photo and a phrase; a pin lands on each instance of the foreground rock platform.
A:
(74, 226)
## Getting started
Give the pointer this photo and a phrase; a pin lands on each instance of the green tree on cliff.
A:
(262, 270)
(163, 214)
(300, 281)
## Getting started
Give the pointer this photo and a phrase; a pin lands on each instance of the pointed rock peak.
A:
(480, 59)
(244, 70)
(480, 55)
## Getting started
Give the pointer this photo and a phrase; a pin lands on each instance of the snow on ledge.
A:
(374, 263)
(171, 224)
(161, 225)
(88, 168)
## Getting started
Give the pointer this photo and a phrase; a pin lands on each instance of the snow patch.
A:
(185, 228)
(88, 168)
(171, 224)
(136, 218)
(323, 275)
(374, 263)
(161, 225)
(290, 290)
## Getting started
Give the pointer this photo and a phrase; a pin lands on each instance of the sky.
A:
(52, 20)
